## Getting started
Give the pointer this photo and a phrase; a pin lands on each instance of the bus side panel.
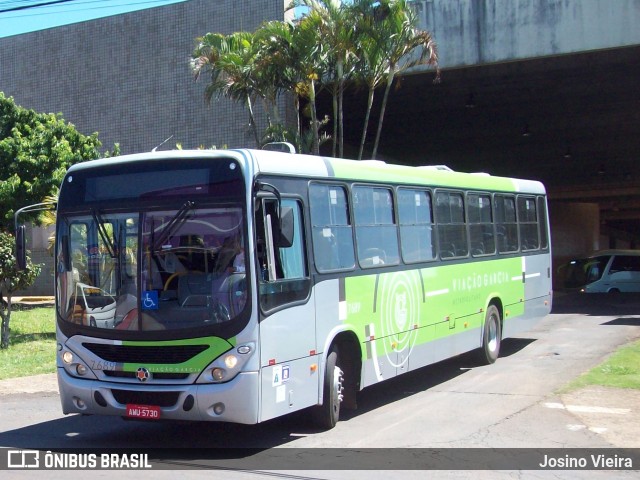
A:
(537, 295)
(412, 318)
(289, 387)
(287, 354)
(331, 312)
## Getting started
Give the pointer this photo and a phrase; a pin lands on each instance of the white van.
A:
(606, 271)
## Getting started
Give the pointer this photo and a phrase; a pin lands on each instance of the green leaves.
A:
(11, 280)
(337, 44)
(36, 149)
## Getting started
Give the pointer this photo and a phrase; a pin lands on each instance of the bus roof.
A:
(277, 163)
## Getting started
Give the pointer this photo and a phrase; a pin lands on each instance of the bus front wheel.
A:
(326, 415)
(491, 336)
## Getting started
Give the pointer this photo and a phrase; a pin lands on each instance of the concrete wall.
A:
(37, 245)
(472, 32)
(575, 231)
(128, 76)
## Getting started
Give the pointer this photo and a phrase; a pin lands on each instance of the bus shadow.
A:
(629, 321)
(596, 304)
(511, 346)
(186, 440)
(425, 378)
(168, 439)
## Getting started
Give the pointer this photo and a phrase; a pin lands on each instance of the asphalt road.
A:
(450, 405)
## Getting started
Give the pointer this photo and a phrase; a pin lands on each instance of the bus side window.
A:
(416, 225)
(452, 230)
(376, 230)
(625, 263)
(283, 269)
(506, 223)
(480, 218)
(542, 216)
(331, 228)
(528, 223)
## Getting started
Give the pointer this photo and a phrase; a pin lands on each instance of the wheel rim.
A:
(492, 334)
(336, 391)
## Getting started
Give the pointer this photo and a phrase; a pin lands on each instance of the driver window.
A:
(283, 268)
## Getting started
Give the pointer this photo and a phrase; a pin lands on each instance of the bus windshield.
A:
(168, 269)
(583, 271)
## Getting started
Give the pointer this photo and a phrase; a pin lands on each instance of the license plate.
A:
(147, 412)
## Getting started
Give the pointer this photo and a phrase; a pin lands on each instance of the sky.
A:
(22, 16)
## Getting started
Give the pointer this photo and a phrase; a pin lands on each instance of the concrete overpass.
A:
(544, 89)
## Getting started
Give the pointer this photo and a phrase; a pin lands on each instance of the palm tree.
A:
(337, 40)
(394, 30)
(310, 54)
(338, 31)
(276, 60)
(229, 61)
(371, 66)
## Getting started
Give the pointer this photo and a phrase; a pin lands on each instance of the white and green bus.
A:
(243, 285)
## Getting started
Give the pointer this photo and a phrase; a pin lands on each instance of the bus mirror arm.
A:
(284, 234)
(21, 236)
(21, 247)
(66, 253)
(260, 186)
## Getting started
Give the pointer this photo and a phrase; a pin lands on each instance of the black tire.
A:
(327, 415)
(491, 336)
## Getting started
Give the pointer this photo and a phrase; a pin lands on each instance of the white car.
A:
(606, 271)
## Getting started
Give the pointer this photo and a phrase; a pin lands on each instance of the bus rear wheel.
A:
(327, 415)
(491, 336)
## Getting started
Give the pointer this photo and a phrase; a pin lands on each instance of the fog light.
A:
(81, 370)
(231, 361)
(67, 357)
(217, 374)
(218, 408)
(244, 349)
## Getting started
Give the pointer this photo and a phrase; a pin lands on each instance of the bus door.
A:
(287, 328)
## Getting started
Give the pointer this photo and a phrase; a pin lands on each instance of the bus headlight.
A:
(67, 357)
(230, 361)
(73, 365)
(228, 365)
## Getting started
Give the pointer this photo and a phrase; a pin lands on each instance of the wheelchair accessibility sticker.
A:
(150, 300)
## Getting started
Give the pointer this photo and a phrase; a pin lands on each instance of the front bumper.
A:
(239, 398)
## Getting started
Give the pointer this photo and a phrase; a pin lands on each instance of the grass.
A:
(32, 344)
(620, 370)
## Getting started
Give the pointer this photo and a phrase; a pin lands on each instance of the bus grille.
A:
(145, 355)
(156, 376)
(160, 399)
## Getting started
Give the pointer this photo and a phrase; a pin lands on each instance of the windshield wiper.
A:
(174, 224)
(102, 230)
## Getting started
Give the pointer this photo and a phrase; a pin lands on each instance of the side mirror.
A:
(21, 247)
(286, 231)
(66, 257)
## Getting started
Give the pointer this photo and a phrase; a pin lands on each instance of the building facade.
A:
(128, 77)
